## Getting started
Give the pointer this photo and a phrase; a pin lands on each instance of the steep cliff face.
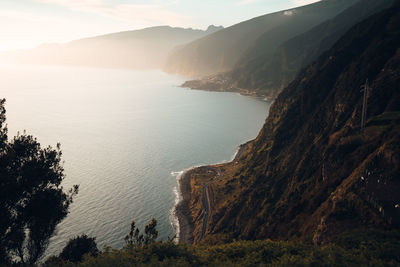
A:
(312, 173)
(269, 73)
(220, 51)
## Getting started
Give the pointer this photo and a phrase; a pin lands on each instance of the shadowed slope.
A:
(311, 173)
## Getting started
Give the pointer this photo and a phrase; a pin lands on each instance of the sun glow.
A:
(25, 24)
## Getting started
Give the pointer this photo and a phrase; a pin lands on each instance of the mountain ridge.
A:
(142, 49)
(311, 173)
(267, 75)
(219, 52)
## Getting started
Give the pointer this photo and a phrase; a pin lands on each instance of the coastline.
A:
(182, 209)
(211, 85)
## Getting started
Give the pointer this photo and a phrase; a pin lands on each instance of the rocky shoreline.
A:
(217, 84)
(183, 211)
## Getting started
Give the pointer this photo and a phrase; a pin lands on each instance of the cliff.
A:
(313, 173)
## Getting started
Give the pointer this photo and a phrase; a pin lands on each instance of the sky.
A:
(29, 23)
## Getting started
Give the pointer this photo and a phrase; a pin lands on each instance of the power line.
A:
(366, 90)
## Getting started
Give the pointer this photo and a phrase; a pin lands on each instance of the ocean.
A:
(125, 136)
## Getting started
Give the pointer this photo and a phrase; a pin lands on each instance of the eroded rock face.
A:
(312, 173)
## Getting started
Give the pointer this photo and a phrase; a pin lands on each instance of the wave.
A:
(174, 219)
(235, 154)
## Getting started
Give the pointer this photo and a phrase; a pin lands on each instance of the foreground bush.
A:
(375, 249)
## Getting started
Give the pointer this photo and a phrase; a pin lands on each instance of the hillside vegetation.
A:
(312, 173)
(249, 253)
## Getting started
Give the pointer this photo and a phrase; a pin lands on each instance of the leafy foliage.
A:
(366, 248)
(250, 253)
(79, 246)
(134, 238)
(32, 201)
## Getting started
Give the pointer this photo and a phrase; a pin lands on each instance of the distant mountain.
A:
(313, 173)
(268, 73)
(146, 48)
(213, 28)
(221, 51)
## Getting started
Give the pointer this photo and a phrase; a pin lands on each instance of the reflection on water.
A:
(122, 133)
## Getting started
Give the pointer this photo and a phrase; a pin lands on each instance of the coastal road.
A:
(206, 202)
(207, 193)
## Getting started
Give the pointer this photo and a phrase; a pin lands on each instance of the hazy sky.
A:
(27, 23)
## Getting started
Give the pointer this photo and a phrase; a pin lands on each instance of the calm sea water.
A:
(124, 135)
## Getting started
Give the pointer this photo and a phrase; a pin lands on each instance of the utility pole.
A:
(365, 104)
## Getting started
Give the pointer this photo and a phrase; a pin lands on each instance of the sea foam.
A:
(173, 217)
